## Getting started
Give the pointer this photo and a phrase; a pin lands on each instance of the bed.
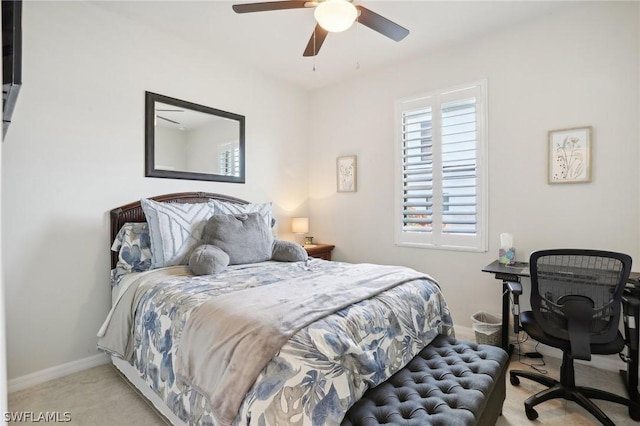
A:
(336, 347)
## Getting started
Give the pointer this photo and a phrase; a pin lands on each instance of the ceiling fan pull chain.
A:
(357, 42)
(314, 50)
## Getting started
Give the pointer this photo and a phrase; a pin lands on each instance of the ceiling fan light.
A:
(335, 15)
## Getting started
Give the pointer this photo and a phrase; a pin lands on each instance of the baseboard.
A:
(33, 379)
(604, 362)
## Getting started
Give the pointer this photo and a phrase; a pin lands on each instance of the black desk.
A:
(631, 316)
(507, 273)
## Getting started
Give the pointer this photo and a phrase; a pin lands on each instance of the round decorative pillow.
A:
(286, 251)
(208, 259)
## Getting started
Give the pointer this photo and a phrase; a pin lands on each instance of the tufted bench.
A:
(450, 382)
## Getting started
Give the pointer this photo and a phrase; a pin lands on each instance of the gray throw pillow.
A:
(208, 260)
(246, 238)
(286, 251)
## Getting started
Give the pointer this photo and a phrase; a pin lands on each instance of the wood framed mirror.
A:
(184, 140)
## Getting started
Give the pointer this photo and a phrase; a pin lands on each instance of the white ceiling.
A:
(273, 41)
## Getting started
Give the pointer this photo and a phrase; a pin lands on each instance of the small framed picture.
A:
(347, 174)
(570, 155)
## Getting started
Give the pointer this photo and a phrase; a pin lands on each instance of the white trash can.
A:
(488, 328)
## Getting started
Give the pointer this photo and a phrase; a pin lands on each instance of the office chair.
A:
(575, 306)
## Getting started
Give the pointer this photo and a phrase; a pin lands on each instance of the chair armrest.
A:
(631, 314)
(631, 301)
(515, 288)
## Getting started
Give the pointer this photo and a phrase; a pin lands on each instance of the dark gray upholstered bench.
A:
(450, 382)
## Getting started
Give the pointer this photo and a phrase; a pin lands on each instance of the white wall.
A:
(207, 142)
(170, 149)
(577, 67)
(75, 150)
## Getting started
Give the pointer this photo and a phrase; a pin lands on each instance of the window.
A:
(441, 199)
(229, 161)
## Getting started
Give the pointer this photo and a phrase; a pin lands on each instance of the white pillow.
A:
(175, 230)
(225, 207)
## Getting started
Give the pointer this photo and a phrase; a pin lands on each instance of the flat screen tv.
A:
(11, 58)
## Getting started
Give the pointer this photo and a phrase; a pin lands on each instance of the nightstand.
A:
(320, 251)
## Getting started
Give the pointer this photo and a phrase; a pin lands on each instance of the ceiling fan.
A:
(167, 119)
(331, 16)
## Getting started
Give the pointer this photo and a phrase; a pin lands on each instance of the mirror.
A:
(184, 140)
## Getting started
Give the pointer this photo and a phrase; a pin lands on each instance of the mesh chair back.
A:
(556, 275)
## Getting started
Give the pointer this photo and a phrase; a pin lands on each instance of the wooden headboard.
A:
(133, 212)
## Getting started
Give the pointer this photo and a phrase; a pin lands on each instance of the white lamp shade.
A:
(335, 15)
(300, 225)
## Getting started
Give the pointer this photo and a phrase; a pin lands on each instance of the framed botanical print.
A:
(570, 155)
(347, 173)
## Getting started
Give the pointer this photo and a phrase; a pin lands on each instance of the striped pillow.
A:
(175, 230)
(224, 207)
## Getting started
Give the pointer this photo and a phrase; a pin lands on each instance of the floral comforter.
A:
(319, 373)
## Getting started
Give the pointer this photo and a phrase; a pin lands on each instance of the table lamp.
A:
(300, 225)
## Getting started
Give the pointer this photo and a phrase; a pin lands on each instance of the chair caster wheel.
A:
(531, 413)
(514, 380)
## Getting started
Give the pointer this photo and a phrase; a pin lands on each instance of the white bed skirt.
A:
(133, 377)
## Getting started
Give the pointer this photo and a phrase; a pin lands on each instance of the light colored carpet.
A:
(95, 397)
(99, 396)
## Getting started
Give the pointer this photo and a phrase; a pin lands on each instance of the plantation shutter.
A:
(417, 164)
(226, 162)
(459, 159)
(236, 161)
(229, 162)
(442, 197)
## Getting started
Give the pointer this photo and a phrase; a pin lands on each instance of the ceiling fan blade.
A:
(166, 119)
(381, 24)
(270, 5)
(313, 47)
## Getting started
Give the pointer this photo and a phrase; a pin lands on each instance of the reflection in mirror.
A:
(190, 141)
